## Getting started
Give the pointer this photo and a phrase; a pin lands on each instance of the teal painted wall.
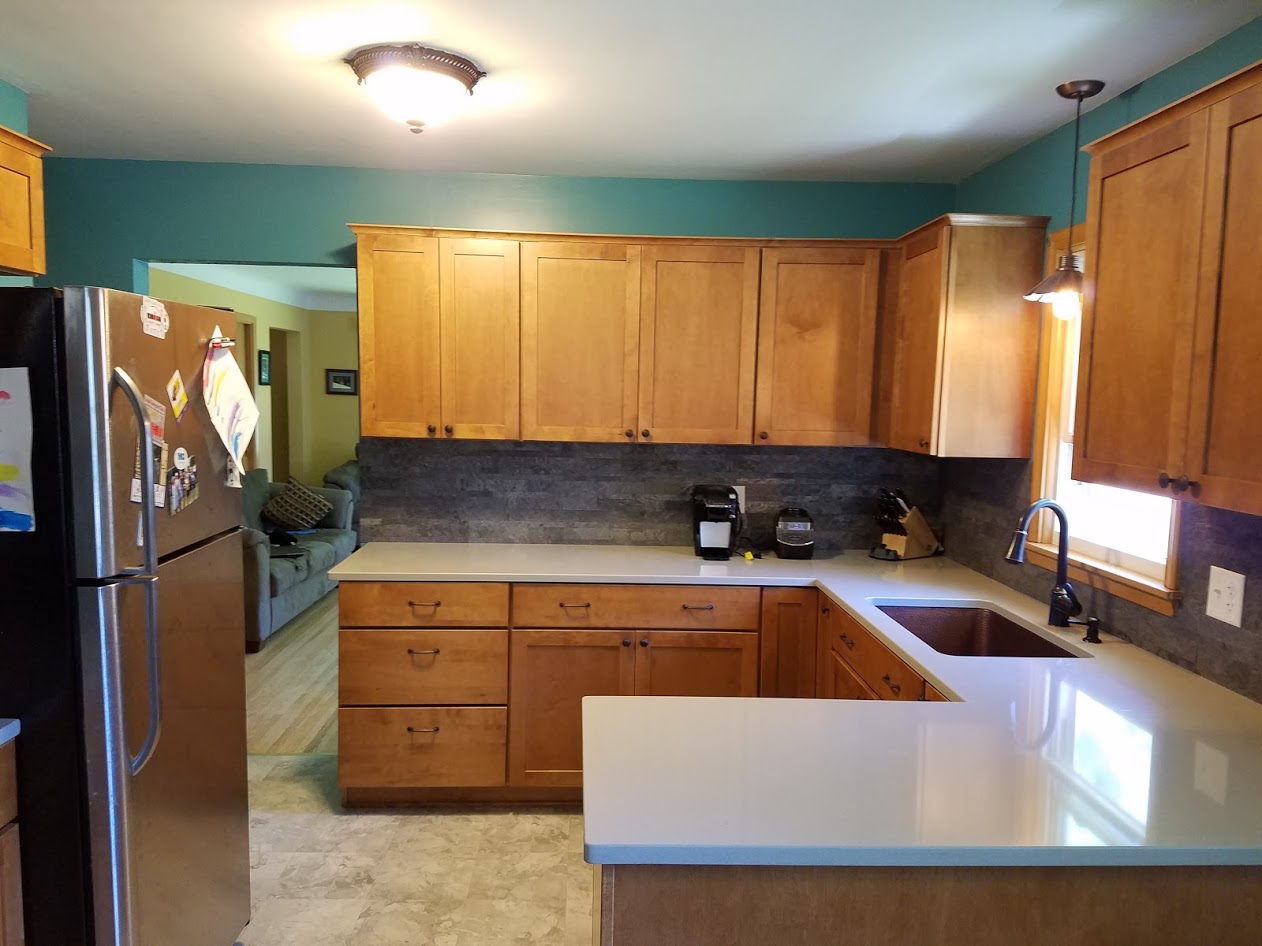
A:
(13, 115)
(103, 215)
(13, 107)
(1036, 179)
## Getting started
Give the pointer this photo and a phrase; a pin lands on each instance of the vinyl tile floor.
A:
(321, 876)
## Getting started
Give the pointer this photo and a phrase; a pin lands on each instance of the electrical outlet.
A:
(1226, 595)
(740, 497)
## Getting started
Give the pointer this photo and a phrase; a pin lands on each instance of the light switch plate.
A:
(1226, 595)
(740, 496)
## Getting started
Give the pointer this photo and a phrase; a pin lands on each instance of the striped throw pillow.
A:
(297, 507)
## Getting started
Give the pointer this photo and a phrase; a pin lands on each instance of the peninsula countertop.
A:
(1111, 757)
(9, 729)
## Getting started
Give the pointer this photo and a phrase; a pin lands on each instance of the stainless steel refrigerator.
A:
(121, 627)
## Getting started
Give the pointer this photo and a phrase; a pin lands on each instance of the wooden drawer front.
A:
(8, 783)
(391, 668)
(846, 684)
(934, 695)
(881, 669)
(672, 607)
(395, 747)
(11, 925)
(422, 604)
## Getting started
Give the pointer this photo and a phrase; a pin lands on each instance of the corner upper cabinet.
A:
(580, 330)
(1171, 336)
(817, 338)
(438, 335)
(21, 204)
(698, 334)
(965, 342)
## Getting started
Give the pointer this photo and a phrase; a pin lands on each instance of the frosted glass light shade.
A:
(414, 95)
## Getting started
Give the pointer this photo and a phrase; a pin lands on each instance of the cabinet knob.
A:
(447, 430)
(924, 444)
(644, 642)
(762, 435)
(1163, 480)
(432, 430)
(849, 643)
(626, 642)
(645, 433)
(826, 610)
(894, 687)
(630, 433)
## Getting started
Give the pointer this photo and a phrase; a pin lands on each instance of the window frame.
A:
(1161, 596)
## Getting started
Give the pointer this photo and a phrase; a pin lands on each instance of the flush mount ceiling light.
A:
(1063, 288)
(415, 84)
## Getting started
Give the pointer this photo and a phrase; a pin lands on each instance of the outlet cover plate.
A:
(1226, 595)
(740, 496)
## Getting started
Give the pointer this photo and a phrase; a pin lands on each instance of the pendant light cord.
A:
(1073, 187)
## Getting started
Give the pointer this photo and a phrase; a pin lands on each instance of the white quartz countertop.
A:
(9, 729)
(1112, 757)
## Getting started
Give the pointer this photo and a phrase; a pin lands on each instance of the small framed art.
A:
(341, 381)
(265, 367)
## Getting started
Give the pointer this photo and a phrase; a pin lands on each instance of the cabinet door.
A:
(816, 346)
(398, 335)
(845, 683)
(479, 304)
(698, 333)
(787, 659)
(1143, 242)
(550, 673)
(696, 663)
(919, 342)
(1225, 437)
(21, 204)
(11, 924)
(580, 331)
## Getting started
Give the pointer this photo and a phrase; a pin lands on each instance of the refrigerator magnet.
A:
(182, 488)
(177, 395)
(153, 318)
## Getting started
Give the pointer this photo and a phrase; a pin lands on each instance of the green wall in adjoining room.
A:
(1036, 178)
(13, 115)
(103, 214)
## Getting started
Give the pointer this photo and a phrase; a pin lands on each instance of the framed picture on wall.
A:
(265, 367)
(341, 381)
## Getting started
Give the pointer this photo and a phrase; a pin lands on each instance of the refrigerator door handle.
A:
(148, 525)
(121, 380)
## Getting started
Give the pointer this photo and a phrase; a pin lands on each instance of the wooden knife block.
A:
(919, 542)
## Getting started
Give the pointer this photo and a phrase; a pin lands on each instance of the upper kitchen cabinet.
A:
(580, 330)
(965, 342)
(816, 346)
(698, 334)
(438, 335)
(1171, 337)
(21, 204)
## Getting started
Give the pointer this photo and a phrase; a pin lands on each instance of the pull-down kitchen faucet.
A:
(1064, 603)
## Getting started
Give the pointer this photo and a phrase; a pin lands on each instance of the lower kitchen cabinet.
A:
(421, 746)
(841, 681)
(788, 643)
(553, 670)
(866, 663)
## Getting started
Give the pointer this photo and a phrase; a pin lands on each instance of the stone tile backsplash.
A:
(621, 494)
(982, 500)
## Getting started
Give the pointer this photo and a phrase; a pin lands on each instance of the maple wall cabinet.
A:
(438, 335)
(21, 204)
(1171, 336)
(817, 338)
(966, 343)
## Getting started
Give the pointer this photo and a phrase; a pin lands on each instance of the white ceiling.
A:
(318, 288)
(921, 90)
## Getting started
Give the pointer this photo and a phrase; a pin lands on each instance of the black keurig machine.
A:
(715, 515)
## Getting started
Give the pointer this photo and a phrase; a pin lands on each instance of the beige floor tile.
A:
(280, 922)
(405, 923)
(327, 877)
(258, 766)
(538, 878)
(506, 923)
(442, 877)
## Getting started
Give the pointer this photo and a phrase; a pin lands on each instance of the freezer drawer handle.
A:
(149, 575)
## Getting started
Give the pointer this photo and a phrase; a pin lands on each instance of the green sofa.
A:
(278, 589)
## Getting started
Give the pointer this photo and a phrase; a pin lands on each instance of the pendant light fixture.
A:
(415, 84)
(1063, 288)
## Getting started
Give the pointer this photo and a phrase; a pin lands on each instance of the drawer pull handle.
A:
(424, 604)
(849, 643)
(896, 688)
(698, 607)
(585, 604)
(431, 729)
(423, 653)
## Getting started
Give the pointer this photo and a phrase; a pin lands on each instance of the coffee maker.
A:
(715, 517)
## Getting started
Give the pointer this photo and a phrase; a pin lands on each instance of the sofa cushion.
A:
(296, 507)
(342, 541)
(320, 555)
(287, 572)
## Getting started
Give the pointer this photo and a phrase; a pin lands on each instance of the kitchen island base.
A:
(679, 905)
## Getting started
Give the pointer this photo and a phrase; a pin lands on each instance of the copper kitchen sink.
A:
(972, 632)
